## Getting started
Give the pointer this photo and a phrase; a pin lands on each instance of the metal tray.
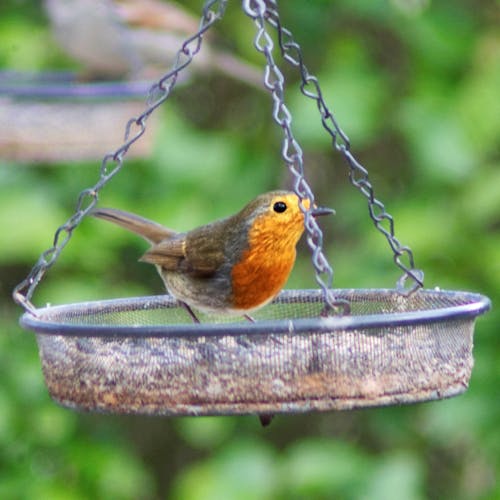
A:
(145, 356)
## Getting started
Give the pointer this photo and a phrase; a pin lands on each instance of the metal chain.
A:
(358, 175)
(291, 153)
(112, 163)
(260, 11)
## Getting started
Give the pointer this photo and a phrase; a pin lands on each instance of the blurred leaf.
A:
(109, 470)
(479, 198)
(395, 476)
(317, 468)
(355, 92)
(189, 155)
(54, 427)
(28, 217)
(206, 432)
(24, 45)
(244, 470)
(439, 145)
(440, 39)
(477, 101)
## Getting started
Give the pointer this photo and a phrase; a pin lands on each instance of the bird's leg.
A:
(249, 318)
(190, 312)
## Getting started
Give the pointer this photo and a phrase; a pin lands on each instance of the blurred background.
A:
(414, 83)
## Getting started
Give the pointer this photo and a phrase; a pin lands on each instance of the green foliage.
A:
(415, 86)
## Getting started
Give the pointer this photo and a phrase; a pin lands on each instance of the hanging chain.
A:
(260, 11)
(112, 163)
(358, 175)
(291, 153)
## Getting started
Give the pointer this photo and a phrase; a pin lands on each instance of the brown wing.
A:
(200, 251)
(169, 253)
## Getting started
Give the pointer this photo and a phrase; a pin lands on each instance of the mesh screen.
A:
(291, 304)
(258, 374)
(264, 372)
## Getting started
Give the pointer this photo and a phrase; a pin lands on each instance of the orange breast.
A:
(264, 267)
(257, 278)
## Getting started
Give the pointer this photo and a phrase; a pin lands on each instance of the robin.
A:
(234, 265)
(116, 39)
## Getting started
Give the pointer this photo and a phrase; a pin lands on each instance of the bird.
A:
(234, 265)
(136, 39)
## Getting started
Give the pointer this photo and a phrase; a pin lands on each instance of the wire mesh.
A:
(143, 356)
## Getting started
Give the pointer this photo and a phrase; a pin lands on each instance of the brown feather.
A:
(169, 253)
(149, 230)
(199, 252)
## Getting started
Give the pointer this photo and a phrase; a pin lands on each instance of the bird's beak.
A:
(317, 211)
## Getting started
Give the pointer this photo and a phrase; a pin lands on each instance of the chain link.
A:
(291, 153)
(358, 175)
(112, 163)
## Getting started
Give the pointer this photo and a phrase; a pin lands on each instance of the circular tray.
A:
(143, 355)
(53, 117)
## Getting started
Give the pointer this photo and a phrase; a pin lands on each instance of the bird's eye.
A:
(279, 206)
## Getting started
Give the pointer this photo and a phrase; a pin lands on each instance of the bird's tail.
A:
(149, 230)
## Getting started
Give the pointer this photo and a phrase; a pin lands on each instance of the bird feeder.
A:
(55, 118)
(308, 350)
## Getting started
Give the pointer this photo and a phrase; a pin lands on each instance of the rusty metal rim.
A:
(50, 320)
